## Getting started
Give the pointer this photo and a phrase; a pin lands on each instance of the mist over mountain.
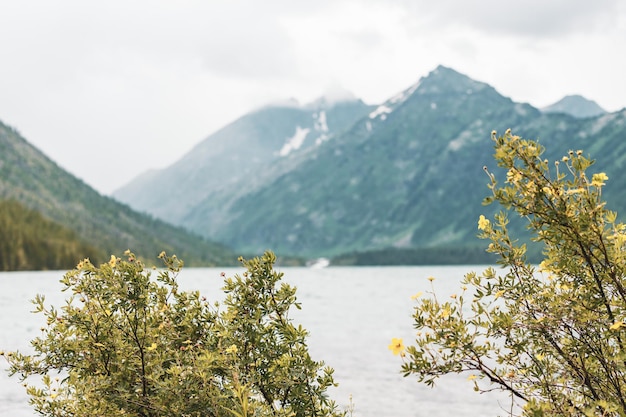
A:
(240, 152)
(351, 178)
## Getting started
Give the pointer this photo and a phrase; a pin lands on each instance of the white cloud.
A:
(537, 19)
(134, 85)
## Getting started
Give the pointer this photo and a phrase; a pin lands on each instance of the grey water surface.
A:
(352, 313)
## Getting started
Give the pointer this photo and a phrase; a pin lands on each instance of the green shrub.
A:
(126, 344)
(553, 336)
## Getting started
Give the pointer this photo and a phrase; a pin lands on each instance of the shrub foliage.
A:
(551, 335)
(125, 344)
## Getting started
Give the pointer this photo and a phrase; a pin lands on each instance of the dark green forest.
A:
(468, 255)
(31, 242)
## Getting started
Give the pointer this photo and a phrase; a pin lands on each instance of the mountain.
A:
(403, 181)
(101, 225)
(381, 183)
(239, 151)
(577, 106)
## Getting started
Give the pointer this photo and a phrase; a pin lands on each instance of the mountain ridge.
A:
(397, 182)
(405, 174)
(382, 154)
(575, 105)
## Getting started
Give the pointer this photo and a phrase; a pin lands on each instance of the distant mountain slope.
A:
(29, 177)
(242, 149)
(408, 174)
(403, 176)
(575, 105)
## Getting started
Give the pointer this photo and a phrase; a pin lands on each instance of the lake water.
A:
(351, 314)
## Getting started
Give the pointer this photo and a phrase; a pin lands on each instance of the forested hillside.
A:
(104, 225)
(31, 242)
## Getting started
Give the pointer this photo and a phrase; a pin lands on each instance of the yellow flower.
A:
(483, 223)
(618, 238)
(152, 347)
(112, 261)
(416, 295)
(531, 188)
(544, 266)
(617, 325)
(539, 356)
(575, 191)
(598, 179)
(431, 279)
(231, 349)
(396, 346)
(471, 377)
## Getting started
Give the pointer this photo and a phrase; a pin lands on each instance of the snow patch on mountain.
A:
(390, 105)
(457, 143)
(320, 123)
(321, 139)
(295, 142)
(381, 111)
(401, 97)
(472, 134)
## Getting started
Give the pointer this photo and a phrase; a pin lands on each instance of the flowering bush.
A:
(551, 335)
(125, 344)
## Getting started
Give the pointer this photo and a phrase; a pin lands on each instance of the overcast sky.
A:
(110, 89)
